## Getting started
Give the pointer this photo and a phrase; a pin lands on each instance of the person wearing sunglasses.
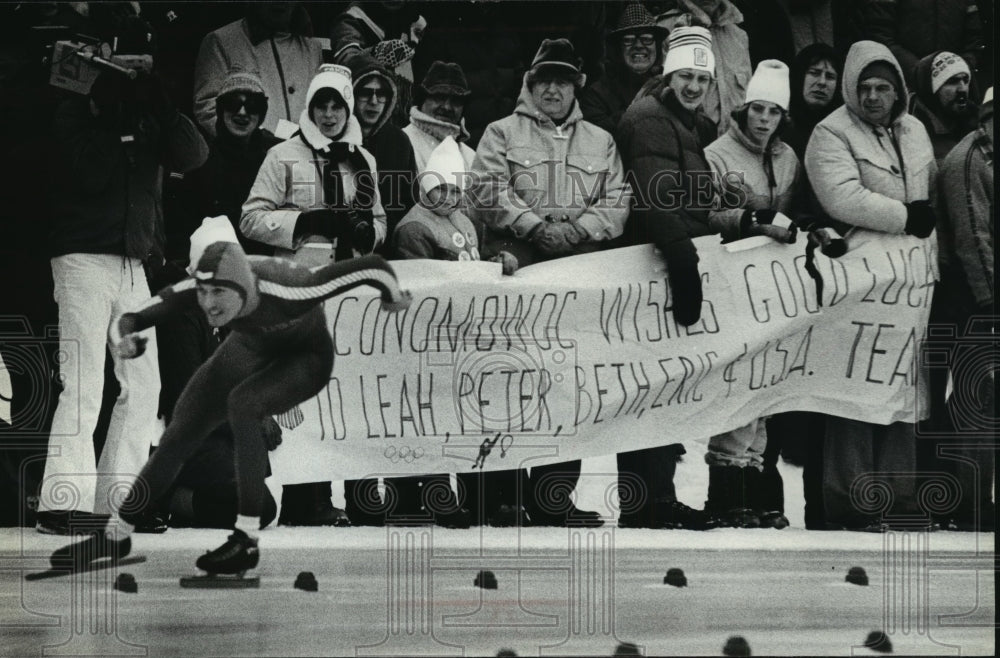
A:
(375, 97)
(220, 186)
(634, 56)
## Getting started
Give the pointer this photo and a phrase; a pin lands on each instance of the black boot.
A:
(763, 499)
(726, 501)
(550, 500)
(96, 546)
(310, 505)
(237, 555)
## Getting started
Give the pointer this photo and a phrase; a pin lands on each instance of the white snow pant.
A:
(91, 290)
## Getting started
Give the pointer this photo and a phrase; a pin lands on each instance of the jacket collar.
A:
(774, 148)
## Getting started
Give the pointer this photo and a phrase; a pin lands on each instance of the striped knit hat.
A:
(689, 48)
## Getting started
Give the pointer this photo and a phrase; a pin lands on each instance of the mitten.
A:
(323, 221)
(362, 229)
(920, 219)
(685, 280)
(558, 238)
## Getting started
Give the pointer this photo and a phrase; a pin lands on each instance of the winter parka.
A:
(862, 174)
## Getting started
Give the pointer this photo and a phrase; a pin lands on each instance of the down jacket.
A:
(733, 70)
(663, 145)
(853, 166)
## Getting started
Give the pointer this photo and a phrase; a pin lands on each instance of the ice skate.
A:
(96, 546)
(96, 552)
(227, 565)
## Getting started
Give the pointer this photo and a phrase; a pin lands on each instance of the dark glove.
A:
(555, 238)
(152, 98)
(759, 222)
(829, 242)
(920, 219)
(685, 280)
(324, 221)
(272, 433)
(361, 226)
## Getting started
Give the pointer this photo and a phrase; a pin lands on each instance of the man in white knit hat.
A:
(664, 132)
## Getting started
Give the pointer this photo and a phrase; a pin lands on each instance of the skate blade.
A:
(99, 565)
(221, 581)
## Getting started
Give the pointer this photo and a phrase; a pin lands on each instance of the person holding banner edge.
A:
(872, 167)
(666, 130)
(278, 354)
(761, 177)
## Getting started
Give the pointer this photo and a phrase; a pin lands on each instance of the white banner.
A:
(580, 357)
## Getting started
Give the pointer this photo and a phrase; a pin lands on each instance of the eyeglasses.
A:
(367, 95)
(233, 103)
(645, 39)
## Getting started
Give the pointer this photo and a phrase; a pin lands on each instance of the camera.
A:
(76, 65)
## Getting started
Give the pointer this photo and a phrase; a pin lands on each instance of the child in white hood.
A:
(438, 227)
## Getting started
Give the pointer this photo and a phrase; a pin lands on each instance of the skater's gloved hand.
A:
(272, 433)
(131, 346)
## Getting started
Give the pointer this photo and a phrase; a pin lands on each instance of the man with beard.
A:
(941, 100)
(439, 102)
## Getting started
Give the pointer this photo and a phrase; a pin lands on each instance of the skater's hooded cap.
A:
(217, 258)
(212, 229)
(224, 264)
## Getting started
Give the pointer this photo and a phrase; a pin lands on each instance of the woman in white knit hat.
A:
(315, 200)
(758, 177)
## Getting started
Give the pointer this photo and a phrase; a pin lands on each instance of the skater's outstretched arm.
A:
(284, 280)
(124, 331)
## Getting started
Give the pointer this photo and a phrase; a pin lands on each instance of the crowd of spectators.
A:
(307, 124)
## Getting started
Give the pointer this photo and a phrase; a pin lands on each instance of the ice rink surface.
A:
(409, 591)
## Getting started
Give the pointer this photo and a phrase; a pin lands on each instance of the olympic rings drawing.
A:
(403, 454)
